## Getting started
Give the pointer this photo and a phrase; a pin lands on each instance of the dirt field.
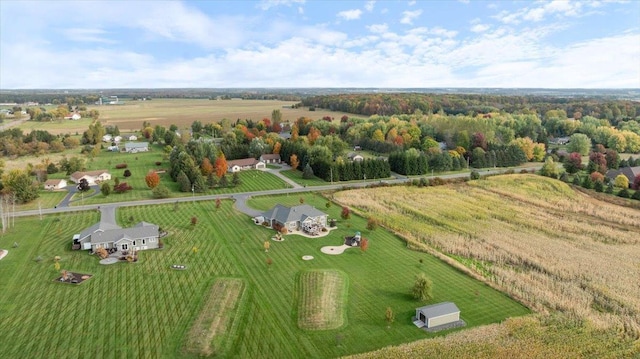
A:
(183, 112)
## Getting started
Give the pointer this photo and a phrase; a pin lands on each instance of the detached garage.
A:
(441, 314)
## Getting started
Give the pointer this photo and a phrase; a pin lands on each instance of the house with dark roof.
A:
(298, 218)
(110, 236)
(271, 158)
(629, 172)
(92, 177)
(437, 315)
(245, 164)
(355, 156)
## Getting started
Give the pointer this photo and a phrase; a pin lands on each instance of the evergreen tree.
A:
(183, 182)
(307, 173)
(235, 179)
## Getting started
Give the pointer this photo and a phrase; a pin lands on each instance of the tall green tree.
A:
(422, 288)
(21, 185)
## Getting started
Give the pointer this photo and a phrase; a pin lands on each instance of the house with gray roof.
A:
(298, 218)
(443, 315)
(629, 172)
(135, 147)
(141, 236)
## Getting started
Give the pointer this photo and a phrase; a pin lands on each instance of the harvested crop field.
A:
(322, 296)
(555, 248)
(209, 333)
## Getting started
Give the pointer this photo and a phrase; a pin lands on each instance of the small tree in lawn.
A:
(372, 224)
(160, 192)
(364, 244)
(267, 245)
(328, 204)
(183, 182)
(346, 213)
(218, 203)
(194, 220)
(269, 262)
(422, 288)
(221, 165)
(235, 179)
(224, 181)
(294, 162)
(105, 189)
(307, 173)
(152, 179)
(388, 316)
(56, 266)
(127, 173)
(301, 200)
(83, 185)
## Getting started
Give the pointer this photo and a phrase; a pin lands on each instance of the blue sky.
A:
(297, 43)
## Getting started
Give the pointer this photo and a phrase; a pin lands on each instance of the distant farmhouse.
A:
(110, 236)
(92, 177)
(245, 164)
(135, 147)
(355, 156)
(559, 141)
(271, 158)
(55, 184)
(629, 172)
(73, 116)
(299, 218)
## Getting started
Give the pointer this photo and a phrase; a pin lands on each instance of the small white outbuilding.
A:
(437, 314)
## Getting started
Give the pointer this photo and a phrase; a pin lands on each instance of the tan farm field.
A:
(130, 115)
(556, 249)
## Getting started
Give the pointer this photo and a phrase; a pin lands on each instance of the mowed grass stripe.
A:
(210, 332)
(321, 299)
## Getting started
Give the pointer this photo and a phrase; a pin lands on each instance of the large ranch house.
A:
(109, 236)
(92, 177)
(303, 218)
(245, 164)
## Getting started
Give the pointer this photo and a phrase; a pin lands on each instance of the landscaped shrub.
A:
(160, 191)
(127, 173)
(636, 195)
(624, 193)
(121, 166)
(476, 175)
(158, 163)
(122, 187)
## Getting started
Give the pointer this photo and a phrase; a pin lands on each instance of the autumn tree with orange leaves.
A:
(221, 165)
(152, 179)
(206, 167)
(294, 162)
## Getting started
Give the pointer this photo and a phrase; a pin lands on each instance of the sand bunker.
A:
(334, 249)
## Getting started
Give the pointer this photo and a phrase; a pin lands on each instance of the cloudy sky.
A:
(298, 43)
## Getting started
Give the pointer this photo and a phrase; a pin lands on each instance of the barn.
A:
(435, 315)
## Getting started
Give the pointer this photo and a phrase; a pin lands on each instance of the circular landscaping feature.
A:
(334, 249)
(109, 260)
(307, 258)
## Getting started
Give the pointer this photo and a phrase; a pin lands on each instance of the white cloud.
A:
(350, 14)
(268, 4)
(480, 27)
(409, 16)
(559, 8)
(87, 35)
(300, 10)
(378, 28)
(412, 2)
(369, 6)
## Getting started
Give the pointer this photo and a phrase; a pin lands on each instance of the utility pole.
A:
(193, 193)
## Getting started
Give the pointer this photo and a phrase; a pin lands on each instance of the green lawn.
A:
(296, 176)
(146, 309)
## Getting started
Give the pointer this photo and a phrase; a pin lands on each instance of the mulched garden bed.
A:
(74, 278)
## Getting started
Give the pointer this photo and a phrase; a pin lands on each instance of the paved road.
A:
(244, 195)
(73, 190)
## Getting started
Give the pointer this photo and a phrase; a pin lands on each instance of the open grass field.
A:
(146, 309)
(130, 115)
(537, 238)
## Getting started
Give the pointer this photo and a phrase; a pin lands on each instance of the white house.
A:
(245, 164)
(74, 116)
(55, 184)
(107, 138)
(435, 315)
(113, 148)
(355, 157)
(135, 147)
(117, 139)
(92, 177)
(271, 158)
(132, 138)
